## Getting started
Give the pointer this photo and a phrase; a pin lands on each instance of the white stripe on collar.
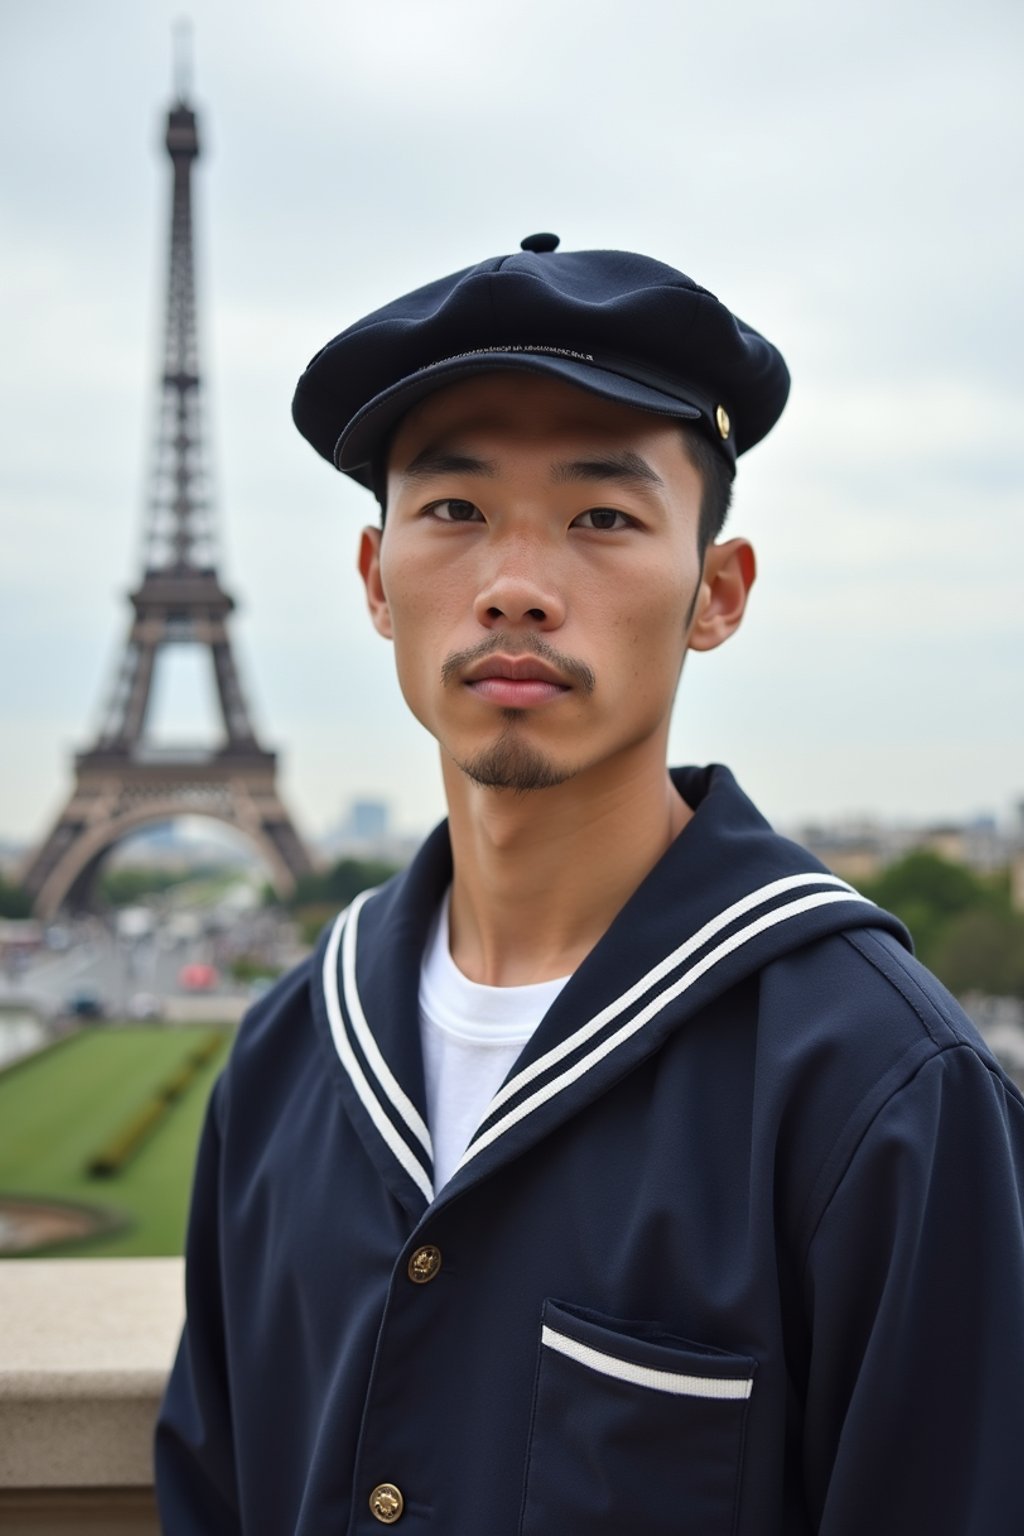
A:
(572, 1074)
(657, 973)
(402, 1151)
(394, 1090)
(346, 928)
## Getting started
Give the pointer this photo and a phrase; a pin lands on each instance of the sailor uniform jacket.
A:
(737, 1250)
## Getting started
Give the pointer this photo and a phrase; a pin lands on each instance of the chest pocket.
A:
(632, 1430)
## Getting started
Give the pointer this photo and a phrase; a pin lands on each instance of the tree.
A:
(983, 951)
(14, 902)
(338, 885)
(963, 926)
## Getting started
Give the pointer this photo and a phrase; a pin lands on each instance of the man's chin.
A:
(514, 765)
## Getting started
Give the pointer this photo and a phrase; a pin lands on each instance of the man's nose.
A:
(520, 590)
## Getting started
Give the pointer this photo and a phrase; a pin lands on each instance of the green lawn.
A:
(59, 1108)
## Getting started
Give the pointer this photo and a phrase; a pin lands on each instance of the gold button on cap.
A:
(424, 1264)
(722, 422)
(386, 1503)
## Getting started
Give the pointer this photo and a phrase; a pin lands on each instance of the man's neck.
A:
(539, 876)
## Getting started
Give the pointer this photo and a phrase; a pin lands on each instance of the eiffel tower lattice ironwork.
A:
(122, 783)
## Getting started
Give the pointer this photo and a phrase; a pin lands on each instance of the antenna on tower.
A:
(182, 35)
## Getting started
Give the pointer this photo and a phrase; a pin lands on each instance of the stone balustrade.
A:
(85, 1348)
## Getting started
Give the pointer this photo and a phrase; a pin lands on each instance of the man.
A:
(615, 1168)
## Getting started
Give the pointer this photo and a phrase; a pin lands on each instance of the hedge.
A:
(118, 1151)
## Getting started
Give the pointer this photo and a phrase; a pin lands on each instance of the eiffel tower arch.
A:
(122, 782)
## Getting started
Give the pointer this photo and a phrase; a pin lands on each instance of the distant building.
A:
(366, 831)
(859, 850)
(368, 822)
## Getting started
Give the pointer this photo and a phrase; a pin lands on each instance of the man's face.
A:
(540, 578)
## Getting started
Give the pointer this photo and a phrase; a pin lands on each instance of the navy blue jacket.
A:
(737, 1250)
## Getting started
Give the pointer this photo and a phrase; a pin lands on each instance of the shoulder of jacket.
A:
(885, 1032)
(862, 984)
(936, 1010)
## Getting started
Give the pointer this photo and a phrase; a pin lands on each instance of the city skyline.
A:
(847, 197)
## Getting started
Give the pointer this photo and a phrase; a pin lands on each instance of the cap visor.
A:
(362, 439)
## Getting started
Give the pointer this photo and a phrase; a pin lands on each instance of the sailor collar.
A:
(729, 896)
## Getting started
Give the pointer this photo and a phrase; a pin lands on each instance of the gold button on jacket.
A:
(424, 1264)
(387, 1503)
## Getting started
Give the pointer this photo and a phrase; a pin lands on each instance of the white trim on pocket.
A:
(679, 1385)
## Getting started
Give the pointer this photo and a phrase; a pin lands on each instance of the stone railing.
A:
(85, 1347)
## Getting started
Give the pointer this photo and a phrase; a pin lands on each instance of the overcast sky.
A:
(847, 178)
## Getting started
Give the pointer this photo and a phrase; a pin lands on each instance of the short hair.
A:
(716, 474)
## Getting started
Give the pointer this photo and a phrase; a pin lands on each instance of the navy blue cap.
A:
(623, 326)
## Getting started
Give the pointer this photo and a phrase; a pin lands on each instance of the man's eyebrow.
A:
(627, 467)
(435, 459)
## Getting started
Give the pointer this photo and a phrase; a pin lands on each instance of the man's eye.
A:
(453, 511)
(603, 519)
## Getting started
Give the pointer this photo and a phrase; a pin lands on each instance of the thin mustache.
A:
(577, 672)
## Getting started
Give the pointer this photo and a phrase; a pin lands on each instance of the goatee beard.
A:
(513, 764)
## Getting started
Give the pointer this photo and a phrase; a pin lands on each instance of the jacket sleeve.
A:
(195, 1477)
(915, 1293)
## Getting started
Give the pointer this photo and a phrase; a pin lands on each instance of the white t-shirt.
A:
(470, 1035)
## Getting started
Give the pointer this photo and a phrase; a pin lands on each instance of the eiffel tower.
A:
(122, 783)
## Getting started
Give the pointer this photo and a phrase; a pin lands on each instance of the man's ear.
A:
(369, 570)
(729, 572)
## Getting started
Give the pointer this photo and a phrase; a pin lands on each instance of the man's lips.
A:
(515, 681)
